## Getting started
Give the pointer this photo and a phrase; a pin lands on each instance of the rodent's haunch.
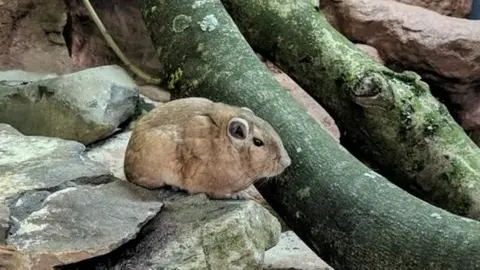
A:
(202, 146)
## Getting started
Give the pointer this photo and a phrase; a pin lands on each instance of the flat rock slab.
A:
(292, 254)
(83, 106)
(193, 232)
(111, 153)
(85, 221)
(35, 163)
(22, 75)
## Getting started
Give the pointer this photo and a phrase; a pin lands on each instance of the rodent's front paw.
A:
(238, 196)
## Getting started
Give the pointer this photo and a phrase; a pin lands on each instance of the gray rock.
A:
(29, 202)
(292, 254)
(84, 106)
(24, 76)
(111, 153)
(4, 222)
(82, 222)
(194, 232)
(149, 104)
(155, 93)
(35, 164)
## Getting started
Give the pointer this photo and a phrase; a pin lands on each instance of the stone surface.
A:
(81, 222)
(111, 153)
(124, 22)
(292, 254)
(4, 223)
(411, 35)
(34, 163)
(193, 232)
(154, 93)
(24, 76)
(445, 51)
(84, 106)
(455, 8)
(31, 36)
(371, 51)
(303, 98)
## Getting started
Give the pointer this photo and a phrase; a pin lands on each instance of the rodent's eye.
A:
(257, 142)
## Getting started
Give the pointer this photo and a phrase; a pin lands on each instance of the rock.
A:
(124, 22)
(313, 108)
(445, 51)
(371, 51)
(29, 202)
(194, 232)
(418, 38)
(292, 254)
(82, 222)
(111, 153)
(24, 76)
(31, 36)
(455, 8)
(475, 136)
(33, 167)
(146, 104)
(4, 223)
(84, 106)
(154, 93)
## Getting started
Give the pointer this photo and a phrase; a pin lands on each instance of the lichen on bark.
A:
(352, 217)
(401, 128)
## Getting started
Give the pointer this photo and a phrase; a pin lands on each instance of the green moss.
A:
(454, 197)
(174, 78)
(407, 119)
(432, 124)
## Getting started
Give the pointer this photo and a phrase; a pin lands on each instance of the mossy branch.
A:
(351, 216)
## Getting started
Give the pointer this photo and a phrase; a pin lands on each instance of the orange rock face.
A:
(454, 8)
(371, 51)
(31, 36)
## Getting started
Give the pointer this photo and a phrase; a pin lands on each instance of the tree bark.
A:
(349, 215)
(390, 118)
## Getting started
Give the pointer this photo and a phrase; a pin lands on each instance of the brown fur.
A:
(185, 143)
(11, 258)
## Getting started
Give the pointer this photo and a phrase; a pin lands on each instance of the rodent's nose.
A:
(285, 161)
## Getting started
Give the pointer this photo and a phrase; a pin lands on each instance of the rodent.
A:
(201, 146)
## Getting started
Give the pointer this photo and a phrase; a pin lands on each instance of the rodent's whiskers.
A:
(263, 181)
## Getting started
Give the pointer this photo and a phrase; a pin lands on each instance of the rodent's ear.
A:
(247, 109)
(238, 128)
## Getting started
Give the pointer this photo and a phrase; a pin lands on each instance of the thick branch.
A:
(351, 216)
(391, 117)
